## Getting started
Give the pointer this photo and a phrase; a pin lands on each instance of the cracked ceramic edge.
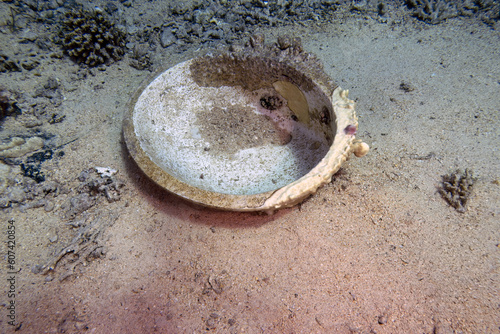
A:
(338, 153)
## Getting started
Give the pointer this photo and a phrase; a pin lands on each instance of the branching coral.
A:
(456, 188)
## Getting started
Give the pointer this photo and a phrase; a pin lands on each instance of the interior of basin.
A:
(239, 127)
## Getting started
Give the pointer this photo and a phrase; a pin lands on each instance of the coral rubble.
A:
(433, 11)
(436, 11)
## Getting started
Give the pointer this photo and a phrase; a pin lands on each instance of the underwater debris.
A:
(90, 38)
(91, 188)
(456, 188)
(87, 221)
(87, 245)
(282, 97)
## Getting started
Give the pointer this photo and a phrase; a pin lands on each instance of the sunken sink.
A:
(253, 129)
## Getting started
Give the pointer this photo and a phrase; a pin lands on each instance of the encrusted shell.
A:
(256, 129)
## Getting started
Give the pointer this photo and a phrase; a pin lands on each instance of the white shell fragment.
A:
(105, 171)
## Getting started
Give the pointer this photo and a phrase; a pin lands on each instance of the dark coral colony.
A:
(89, 38)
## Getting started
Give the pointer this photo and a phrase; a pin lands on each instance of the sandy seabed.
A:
(377, 250)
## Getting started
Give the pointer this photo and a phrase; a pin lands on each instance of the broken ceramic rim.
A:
(151, 139)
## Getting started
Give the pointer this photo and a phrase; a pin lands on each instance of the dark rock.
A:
(110, 7)
(84, 175)
(257, 41)
(48, 206)
(44, 43)
(17, 195)
(40, 156)
(196, 29)
(8, 65)
(167, 38)
(382, 320)
(8, 104)
(181, 32)
(214, 33)
(140, 58)
(79, 204)
(33, 171)
(30, 64)
(284, 42)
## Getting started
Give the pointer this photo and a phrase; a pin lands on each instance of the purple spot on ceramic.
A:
(350, 130)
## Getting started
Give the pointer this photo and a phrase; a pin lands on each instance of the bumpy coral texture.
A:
(456, 188)
(90, 38)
